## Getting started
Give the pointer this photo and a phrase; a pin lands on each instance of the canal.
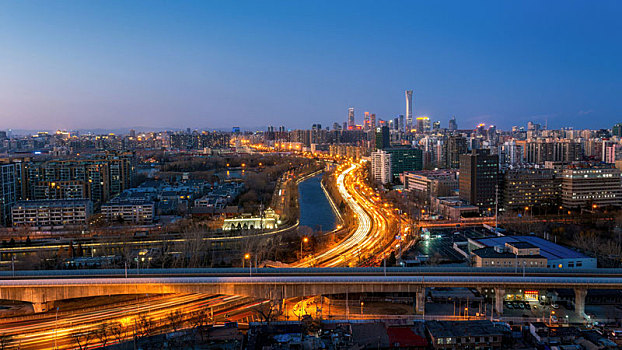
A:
(315, 209)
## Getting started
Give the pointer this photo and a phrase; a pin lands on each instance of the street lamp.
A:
(551, 315)
(304, 240)
(247, 256)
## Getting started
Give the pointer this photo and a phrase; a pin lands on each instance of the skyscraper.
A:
(373, 120)
(409, 109)
(453, 125)
(351, 122)
(423, 124)
(366, 122)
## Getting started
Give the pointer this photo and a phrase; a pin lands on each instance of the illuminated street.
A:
(371, 240)
(43, 331)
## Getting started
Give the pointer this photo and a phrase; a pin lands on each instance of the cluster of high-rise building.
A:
(63, 143)
(96, 179)
(530, 166)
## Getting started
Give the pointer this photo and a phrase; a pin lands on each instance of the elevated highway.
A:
(44, 287)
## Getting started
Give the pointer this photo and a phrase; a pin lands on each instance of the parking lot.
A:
(440, 244)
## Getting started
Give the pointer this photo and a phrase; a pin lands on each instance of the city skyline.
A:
(215, 65)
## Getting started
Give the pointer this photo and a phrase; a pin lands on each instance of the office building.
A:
(428, 183)
(43, 213)
(453, 148)
(479, 177)
(423, 125)
(593, 186)
(381, 166)
(383, 138)
(616, 130)
(366, 122)
(405, 159)
(531, 187)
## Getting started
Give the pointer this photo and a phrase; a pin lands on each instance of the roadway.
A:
(458, 271)
(51, 330)
(371, 239)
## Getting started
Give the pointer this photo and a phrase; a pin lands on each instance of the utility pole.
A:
(55, 329)
(347, 307)
(384, 262)
(496, 208)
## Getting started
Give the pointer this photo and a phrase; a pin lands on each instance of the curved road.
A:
(372, 236)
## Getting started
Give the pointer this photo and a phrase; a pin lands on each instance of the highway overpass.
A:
(41, 288)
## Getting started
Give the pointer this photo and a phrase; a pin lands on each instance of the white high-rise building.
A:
(409, 109)
(381, 166)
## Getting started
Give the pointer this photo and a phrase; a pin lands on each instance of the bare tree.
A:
(199, 321)
(269, 311)
(103, 333)
(82, 339)
(145, 326)
(176, 320)
(118, 332)
(5, 341)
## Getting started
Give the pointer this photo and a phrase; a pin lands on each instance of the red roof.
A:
(405, 337)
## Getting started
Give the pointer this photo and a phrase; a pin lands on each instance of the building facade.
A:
(454, 146)
(479, 171)
(10, 188)
(126, 211)
(594, 186)
(531, 187)
(409, 109)
(426, 184)
(405, 159)
(381, 166)
(39, 213)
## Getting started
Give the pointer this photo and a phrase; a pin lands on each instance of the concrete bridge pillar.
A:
(579, 300)
(420, 302)
(41, 307)
(499, 294)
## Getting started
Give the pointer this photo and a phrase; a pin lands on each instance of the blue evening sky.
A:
(215, 64)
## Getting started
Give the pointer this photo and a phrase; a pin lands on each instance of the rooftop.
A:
(549, 250)
(522, 245)
(454, 329)
(52, 203)
(490, 252)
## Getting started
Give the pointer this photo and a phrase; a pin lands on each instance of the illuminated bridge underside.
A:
(42, 291)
